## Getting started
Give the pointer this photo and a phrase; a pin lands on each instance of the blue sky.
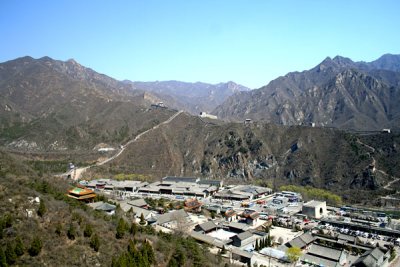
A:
(249, 42)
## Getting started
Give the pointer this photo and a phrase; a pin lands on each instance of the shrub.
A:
(10, 254)
(95, 242)
(71, 233)
(42, 208)
(120, 229)
(88, 230)
(36, 247)
(19, 247)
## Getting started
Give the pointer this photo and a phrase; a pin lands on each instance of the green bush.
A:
(95, 242)
(10, 254)
(36, 247)
(19, 247)
(88, 230)
(71, 233)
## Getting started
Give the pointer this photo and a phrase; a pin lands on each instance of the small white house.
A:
(315, 209)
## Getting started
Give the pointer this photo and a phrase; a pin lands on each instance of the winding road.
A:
(77, 172)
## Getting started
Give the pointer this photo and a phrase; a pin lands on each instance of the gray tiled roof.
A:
(138, 202)
(171, 216)
(244, 235)
(319, 261)
(313, 203)
(326, 252)
(207, 226)
(369, 258)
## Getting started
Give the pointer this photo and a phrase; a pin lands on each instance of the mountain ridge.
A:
(289, 100)
(192, 97)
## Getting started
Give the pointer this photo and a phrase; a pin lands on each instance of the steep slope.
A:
(191, 97)
(338, 92)
(277, 155)
(50, 104)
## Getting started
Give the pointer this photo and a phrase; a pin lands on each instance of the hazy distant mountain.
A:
(51, 104)
(338, 92)
(191, 97)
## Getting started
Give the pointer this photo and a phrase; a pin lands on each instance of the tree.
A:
(58, 229)
(131, 247)
(36, 247)
(42, 208)
(392, 254)
(178, 258)
(19, 247)
(88, 230)
(257, 247)
(71, 233)
(120, 229)
(172, 263)
(1, 228)
(148, 252)
(293, 253)
(95, 242)
(269, 241)
(3, 259)
(10, 254)
(134, 228)
(142, 220)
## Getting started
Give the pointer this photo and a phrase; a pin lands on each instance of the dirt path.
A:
(390, 183)
(77, 173)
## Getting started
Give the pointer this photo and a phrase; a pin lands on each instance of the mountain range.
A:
(191, 97)
(336, 93)
(47, 104)
(62, 110)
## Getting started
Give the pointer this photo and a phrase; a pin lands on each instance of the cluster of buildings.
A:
(238, 216)
(178, 186)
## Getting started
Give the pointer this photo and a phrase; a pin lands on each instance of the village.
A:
(252, 225)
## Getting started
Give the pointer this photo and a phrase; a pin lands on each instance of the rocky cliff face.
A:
(277, 155)
(336, 93)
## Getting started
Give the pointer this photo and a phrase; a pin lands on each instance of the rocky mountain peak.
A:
(337, 92)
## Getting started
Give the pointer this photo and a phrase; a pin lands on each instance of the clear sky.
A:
(249, 42)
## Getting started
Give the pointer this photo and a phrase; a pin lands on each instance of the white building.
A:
(315, 209)
(209, 116)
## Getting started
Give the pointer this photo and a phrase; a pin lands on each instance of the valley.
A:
(64, 125)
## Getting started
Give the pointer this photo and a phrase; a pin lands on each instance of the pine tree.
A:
(142, 220)
(88, 230)
(3, 259)
(58, 229)
(95, 242)
(10, 254)
(36, 247)
(131, 248)
(149, 252)
(114, 262)
(134, 228)
(19, 247)
(172, 263)
(2, 226)
(71, 233)
(120, 229)
(261, 243)
(42, 208)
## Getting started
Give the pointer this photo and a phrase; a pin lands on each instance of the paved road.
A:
(77, 172)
